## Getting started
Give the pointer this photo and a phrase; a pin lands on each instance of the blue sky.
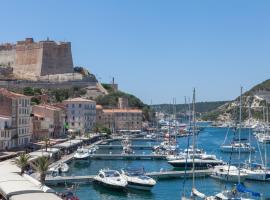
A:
(155, 49)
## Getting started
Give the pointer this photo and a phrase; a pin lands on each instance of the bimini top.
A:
(134, 171)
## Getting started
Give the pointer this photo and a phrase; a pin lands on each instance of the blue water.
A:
(210, 140)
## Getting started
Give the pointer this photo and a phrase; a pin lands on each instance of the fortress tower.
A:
(32, 60)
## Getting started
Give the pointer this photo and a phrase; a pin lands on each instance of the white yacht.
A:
(256, 172)
(228, 173)
(243, 146)
(137, 179)
(81, 154)
(202, 160)
(111, 178)
(263, 138)
(60, 168)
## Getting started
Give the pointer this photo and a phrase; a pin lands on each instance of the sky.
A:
(155, 49)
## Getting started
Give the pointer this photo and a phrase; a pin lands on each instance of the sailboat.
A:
(237, 145)
(194, 191)
(255, 171)
(240, 191)
(169, 146)
(263, 135)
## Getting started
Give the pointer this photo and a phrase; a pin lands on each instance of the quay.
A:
(127, 157)
(135, 147)
(58, 180)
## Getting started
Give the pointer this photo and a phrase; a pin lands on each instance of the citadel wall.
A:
(30, 59)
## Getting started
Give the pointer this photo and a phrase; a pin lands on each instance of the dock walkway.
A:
(156, 175)
(135, 147)
(127, 157)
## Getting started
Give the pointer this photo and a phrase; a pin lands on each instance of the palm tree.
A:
(22, 161)
(43, 166)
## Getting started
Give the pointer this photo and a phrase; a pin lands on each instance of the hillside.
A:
(257, 98)
(201, 107)
(111, 100)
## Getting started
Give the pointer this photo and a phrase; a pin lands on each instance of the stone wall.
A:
(56, 58)
(31, 60)
(7, 55)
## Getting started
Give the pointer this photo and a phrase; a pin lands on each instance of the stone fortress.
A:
(30, 60)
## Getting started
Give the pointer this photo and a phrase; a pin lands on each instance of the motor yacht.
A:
(111, 179)
(137, 179)
(228, 173)
(81, 154)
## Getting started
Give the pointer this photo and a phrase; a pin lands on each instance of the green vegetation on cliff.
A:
(111, 101)
(201, 107)
(258, 96)
(55, 95)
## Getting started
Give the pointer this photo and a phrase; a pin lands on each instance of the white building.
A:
(81, 114)
(6, 132)
(18, 108)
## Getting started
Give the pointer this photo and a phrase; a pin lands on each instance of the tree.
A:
(28, 91)
(43, 166)
(22, 161)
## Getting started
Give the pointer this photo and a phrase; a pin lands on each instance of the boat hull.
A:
(229, 178)
(139, 186)
(236, 150)
(189, 165)
(257, 175)
(110, 186)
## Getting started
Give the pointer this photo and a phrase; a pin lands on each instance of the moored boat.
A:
(228, 173)
(81, 154)
(137, 179)
(60, 168)
(111, 179)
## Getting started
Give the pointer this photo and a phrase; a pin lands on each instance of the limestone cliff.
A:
(257, 98)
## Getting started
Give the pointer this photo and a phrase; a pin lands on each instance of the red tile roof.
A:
(122, 110)
(11, 95)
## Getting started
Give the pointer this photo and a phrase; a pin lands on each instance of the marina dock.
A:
(127, 157)
(135, 147)
(58, 180)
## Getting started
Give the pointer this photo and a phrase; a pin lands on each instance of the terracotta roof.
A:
(79, 99)
(47, 106)
(122, 110)
(12, 95)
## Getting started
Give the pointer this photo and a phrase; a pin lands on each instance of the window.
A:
(80, 105)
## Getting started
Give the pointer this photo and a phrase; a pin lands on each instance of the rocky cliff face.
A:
(257, 98)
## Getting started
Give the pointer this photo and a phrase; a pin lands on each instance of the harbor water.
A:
(209, 139)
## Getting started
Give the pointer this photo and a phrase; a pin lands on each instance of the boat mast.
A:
(193, 140)
(267, 127)
(239, 136)
(249, 129)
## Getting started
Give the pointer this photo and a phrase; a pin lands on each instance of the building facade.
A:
(18, 108)
(121, 120)
(48, 122)
(6, 132)
(81, 114)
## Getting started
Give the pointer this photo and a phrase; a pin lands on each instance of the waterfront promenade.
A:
(14, 186)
